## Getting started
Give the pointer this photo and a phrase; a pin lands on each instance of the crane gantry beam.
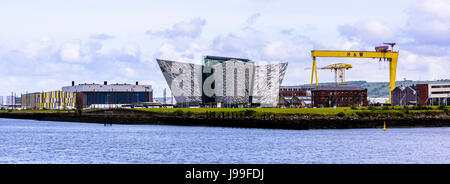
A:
(392, 57)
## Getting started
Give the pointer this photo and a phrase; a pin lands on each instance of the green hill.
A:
(381, 89)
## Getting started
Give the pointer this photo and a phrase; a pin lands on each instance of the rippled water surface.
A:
(30, 141)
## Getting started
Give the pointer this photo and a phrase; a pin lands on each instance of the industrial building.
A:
(17, 101)
(89, 96)
(109, 95)
(224, 82)
(339, 96)
(49, 100)
(296, 90)
(10, 100)
(434, 93)
(295, 96)
(293, 102)
(402, 96)
(423, 94)
(31, 101)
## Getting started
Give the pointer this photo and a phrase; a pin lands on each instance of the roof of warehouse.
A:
(107, 88)
(299, 86)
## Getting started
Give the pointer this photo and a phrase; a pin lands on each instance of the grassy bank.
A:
(397, 111)
(280, 118)
(339, 111)
(36, 111)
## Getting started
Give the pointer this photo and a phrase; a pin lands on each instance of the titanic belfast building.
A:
(223, 82)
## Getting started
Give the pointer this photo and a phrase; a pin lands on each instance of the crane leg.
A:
(315, 70)
(312, 70)
(392, 73)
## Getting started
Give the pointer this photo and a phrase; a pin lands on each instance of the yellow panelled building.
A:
(57, 100)
(49, 100)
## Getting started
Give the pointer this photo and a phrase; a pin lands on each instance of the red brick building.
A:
(434, 93)
(339, 96)
(422, 90)
(289, 91)
(295, 96)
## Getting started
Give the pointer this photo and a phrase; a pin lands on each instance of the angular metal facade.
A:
(227, 82)
(268, 79)
(184, 81)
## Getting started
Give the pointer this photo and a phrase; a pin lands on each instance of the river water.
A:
(30, 141)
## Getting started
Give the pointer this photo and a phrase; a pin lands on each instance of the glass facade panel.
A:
(116, 97)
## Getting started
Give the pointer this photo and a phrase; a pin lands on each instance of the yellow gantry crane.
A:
(381, 53)
(339, 71)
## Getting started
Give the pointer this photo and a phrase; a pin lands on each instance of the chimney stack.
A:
(73, 83)
(105, 83)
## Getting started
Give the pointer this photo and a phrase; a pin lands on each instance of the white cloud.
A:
(368, 31)
(429, 22)
(101, 36)
(190, 29)
(440, 8)
(35, 49)
(423, 40)
(192, 54)
(287, 50)
(53, 65)
(129, 72)
(251, 20)
(234, 45)
(70, 52)
(419, 67)
(132, 49)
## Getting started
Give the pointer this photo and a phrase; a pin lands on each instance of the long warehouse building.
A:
(48, 100)
(89, 96)
(109, 96)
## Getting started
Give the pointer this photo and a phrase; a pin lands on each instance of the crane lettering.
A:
(349, 54)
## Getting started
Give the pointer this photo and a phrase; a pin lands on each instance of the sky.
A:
(46, 44)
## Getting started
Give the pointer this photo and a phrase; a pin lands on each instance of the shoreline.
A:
(238, 120)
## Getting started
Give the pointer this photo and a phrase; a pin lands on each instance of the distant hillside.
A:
(381, 89)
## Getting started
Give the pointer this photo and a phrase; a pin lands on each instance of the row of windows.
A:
(339, 99)
(116, 97)
(292, 94)
(441, 92)
(292, 89)
(339, 93)
(441, 86)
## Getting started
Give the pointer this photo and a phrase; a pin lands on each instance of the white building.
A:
(10, 100)
(439, 93)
